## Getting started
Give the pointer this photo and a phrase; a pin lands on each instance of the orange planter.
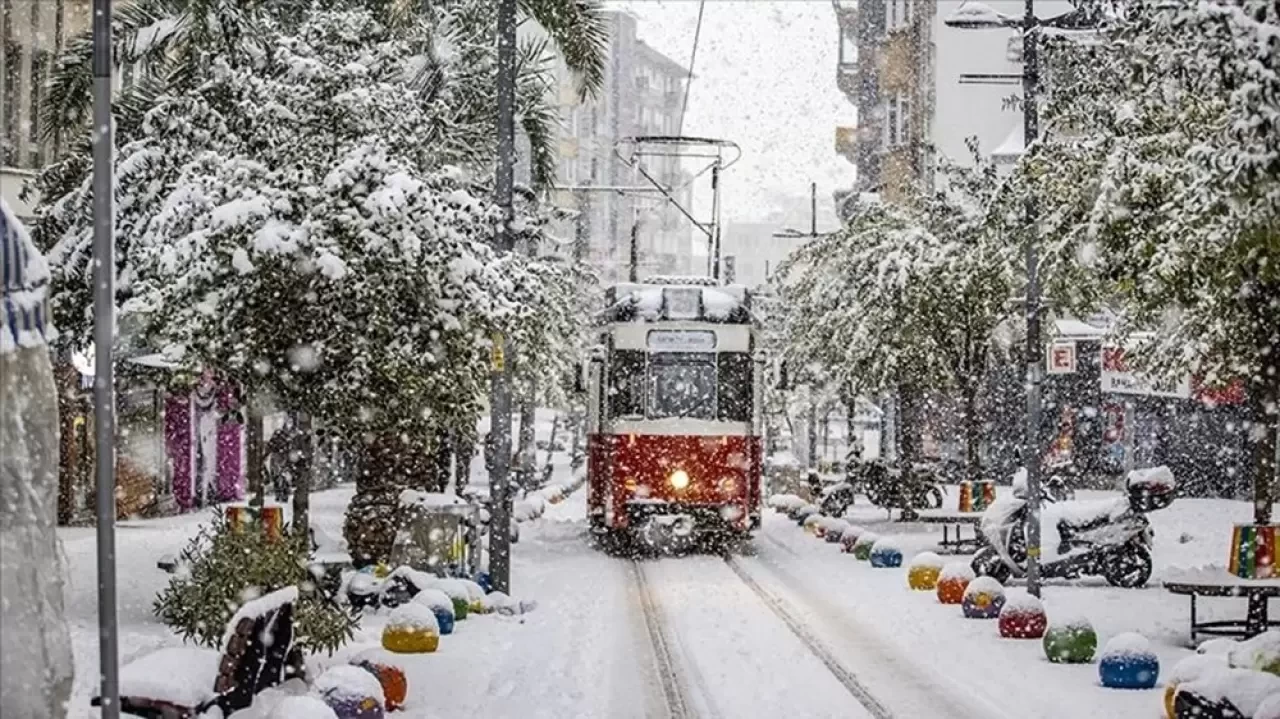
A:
(951, 589)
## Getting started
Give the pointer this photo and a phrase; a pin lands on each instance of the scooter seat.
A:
(1087, 516)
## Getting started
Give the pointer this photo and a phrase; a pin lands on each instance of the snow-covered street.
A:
(788, 626)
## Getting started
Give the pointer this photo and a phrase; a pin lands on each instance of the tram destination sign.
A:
(682, 340)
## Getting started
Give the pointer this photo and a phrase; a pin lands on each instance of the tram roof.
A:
(634, 302)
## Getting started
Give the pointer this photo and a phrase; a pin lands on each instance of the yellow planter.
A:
(409, 640)
(923, 579)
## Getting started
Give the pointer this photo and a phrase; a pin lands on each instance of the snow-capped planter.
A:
(302, 707)
(441, 605)
(862, 547)
(835, 530)
(1188, 670)
(801, 514)
(381, 664)
(1023, 617)
(458, 594)
(1226, 694)
(1261, 653)
(411, 629)
(1070, 641)
(182, 676)
(812, 522)
(923, 573)
(886, 553)
(507, 606)
(953, 580)
(1127, 662)
(983, 598)
(850, 537)
(475, 595)
(352, 692)
(786, 502)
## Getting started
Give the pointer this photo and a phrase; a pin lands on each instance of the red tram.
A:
(675, 388)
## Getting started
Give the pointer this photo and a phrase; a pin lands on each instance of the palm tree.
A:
(168, 42)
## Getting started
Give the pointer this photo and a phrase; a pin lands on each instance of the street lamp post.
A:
(973, 15)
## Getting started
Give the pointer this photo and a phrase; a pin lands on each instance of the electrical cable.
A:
(693, 56)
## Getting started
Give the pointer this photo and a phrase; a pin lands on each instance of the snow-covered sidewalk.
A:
(968, 655)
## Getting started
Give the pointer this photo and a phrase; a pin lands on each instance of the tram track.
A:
(802, 632)
(674, 695)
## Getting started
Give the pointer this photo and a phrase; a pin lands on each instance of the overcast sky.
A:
(765, 78)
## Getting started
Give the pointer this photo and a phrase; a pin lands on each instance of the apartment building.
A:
(642, 95)
(33, 32)
(922, 89)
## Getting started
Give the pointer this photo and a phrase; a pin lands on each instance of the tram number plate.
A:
(682, 340)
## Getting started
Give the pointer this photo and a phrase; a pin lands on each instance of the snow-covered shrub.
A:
(224, 568)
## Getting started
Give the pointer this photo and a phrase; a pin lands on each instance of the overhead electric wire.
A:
(693, 56)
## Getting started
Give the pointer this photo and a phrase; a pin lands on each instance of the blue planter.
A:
(886, 558)
(444, 618)
(485, 582)
(1129, 671)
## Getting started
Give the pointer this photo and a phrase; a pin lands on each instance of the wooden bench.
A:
(1220, 583)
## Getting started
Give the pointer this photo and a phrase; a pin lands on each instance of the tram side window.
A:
(626, 384)
(735, 387)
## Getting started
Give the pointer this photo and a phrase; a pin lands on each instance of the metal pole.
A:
(715, 221)
(813, 209)
(104, 415)
(633, 271)
(1035, 362)
(500, 380)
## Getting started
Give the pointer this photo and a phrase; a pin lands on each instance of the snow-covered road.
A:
(788, 627)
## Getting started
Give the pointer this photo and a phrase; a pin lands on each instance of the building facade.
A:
(33, 32)
(642, 96)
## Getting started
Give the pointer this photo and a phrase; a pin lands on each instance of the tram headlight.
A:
(679, 479)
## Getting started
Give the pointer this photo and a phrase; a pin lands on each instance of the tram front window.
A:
(682, 385)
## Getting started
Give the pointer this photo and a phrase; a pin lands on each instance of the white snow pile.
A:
(453, 588)
(414, 617)
(867, 539)
(1258, 652)
(1269, 708)
(928, 560)
(529, 508)
(786, 502)
(1153, 477)
(304, 707)
(984, 585)
(957, 570)
(178, 675)
(351, 682)
(505, 605)
(1217, 647)
(1128, 645)
(1075, 622)
(415, 498)
(1022, 604)
(419, 579)
(434, 599)
(1195, 666)
(258, 608)
(813, 520)
(834, 525)
(887, 544)
(1244, 688)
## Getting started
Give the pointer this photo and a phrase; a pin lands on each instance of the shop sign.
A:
(1116, 377)
(1061, 358)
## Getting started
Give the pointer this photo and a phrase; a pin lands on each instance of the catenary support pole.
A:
(104, 410)
(500, 379)
(1035, 361)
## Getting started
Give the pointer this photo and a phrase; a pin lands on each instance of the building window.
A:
(848, 46)
(899, 14)
(898, 120)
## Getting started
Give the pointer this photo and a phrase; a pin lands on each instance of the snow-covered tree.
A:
(1165, 157)
(296, 224)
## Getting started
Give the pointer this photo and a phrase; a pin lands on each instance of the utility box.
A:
(438, 534)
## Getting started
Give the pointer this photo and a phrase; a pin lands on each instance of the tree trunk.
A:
(1264, 412)
(386, 466)
(551, 445)
(68, 452)
(525, 446)
(972, 432)
(303, 475)
(254, 470)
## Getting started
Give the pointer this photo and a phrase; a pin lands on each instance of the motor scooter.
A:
(1108, 538)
